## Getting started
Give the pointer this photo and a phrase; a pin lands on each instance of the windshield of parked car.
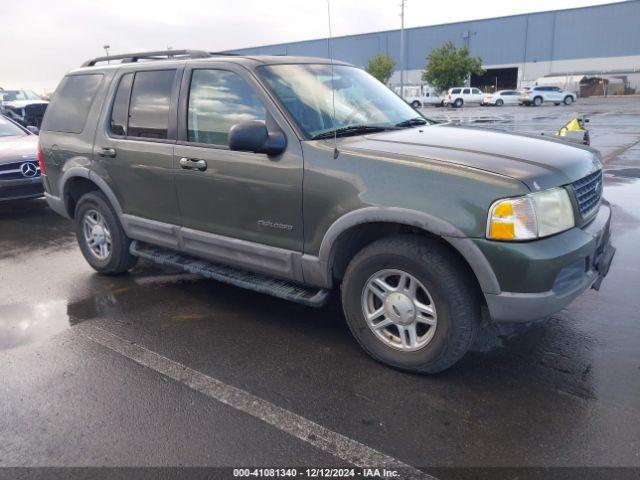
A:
(309, 92)
(9, 129)
(12, 95)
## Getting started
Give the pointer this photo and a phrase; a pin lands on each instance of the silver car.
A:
(501, 97)
(19, 166)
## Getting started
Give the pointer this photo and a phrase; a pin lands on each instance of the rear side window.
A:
(120, 110)
(149, 104)
(466, 91)
(71, 103)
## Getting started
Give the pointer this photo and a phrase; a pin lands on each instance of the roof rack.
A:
(157, 55)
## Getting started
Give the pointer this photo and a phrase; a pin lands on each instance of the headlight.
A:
(535, 215)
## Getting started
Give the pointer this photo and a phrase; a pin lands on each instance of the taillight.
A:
(41, 161)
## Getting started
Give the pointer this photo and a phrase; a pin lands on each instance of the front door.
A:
(234, 195)
(134, 148)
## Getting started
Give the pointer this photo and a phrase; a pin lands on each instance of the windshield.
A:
(360, 100)
(8, 129)
(12, 95)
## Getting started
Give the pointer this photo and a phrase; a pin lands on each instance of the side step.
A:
(257, 282)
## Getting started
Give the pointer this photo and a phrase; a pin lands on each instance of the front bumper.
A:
(579, 266)
(21, 188)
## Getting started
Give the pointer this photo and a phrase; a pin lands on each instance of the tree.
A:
(381, 67)
(449, 66)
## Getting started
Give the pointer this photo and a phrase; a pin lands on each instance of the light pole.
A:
(106, 50)
(402, 5)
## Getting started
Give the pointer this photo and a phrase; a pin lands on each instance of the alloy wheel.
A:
(97, 235)
(399, 310)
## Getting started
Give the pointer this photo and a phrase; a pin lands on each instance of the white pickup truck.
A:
(420, 95)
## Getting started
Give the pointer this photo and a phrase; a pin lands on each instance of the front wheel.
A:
(499, 102)
(537, 101)
(102, 240)
(409, 303)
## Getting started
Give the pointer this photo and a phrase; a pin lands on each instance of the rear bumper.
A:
(21, 189)
(580, 272)
(57, 205)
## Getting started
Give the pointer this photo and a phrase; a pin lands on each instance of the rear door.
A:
(510, 97)
(235, 195)
(134, 146)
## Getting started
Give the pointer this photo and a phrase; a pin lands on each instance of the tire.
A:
(416, 104)
(442, 103)
(94, 209)
(568, 100)
(458, 103)
(537, 101)
(448, 289)
(499, 102)
(556, 103)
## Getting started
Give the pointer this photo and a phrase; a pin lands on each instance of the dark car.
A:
(295, 176)
(19, 167)
(23, 106)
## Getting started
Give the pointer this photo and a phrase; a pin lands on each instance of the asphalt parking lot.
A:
(159, 368)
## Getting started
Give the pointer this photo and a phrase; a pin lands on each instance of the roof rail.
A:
(157, 55)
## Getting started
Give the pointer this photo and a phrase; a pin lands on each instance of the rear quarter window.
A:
(71, 103)
(455, 90)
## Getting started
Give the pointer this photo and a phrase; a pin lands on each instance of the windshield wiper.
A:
(352, 130)
(413, 122)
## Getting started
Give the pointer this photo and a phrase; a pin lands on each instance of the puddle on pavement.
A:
(21, 324)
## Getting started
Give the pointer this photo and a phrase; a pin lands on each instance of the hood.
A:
(16, 149)
(23, 103)
(538, 162)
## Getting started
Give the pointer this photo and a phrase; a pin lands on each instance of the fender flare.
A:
(317, 269)
(84, 172)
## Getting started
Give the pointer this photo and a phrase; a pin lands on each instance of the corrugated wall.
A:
(601, 31)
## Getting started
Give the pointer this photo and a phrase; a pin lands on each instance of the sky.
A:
(40, 40)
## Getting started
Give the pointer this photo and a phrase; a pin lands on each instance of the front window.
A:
(309, 93)
(218, 100)
(8, 129)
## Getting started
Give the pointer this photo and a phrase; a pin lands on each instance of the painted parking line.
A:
(338, 445)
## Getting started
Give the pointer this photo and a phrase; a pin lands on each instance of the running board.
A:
(257, 282)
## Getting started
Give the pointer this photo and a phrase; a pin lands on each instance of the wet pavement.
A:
(564, 393)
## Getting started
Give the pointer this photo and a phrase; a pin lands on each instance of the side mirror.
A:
(253, 136)
(32, 129)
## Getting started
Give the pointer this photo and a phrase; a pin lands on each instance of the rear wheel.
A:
(458, 103)
(102, 240)
(409, 304)
(537, 101)
(416, 104)
(568, 100)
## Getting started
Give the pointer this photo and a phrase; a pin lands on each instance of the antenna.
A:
(333, 89)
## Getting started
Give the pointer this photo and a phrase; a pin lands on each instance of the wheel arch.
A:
(79, 180)
(356, 229)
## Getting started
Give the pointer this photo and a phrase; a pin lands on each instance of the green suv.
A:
(297, 176)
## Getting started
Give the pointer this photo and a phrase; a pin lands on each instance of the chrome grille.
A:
(588, 192)
(12, 171)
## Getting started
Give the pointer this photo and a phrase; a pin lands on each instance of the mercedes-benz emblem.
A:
(29, 169)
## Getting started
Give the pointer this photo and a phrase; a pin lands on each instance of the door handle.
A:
(193, 164)
(107, 152)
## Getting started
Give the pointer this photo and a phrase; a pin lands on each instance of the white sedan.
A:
(501, 97)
